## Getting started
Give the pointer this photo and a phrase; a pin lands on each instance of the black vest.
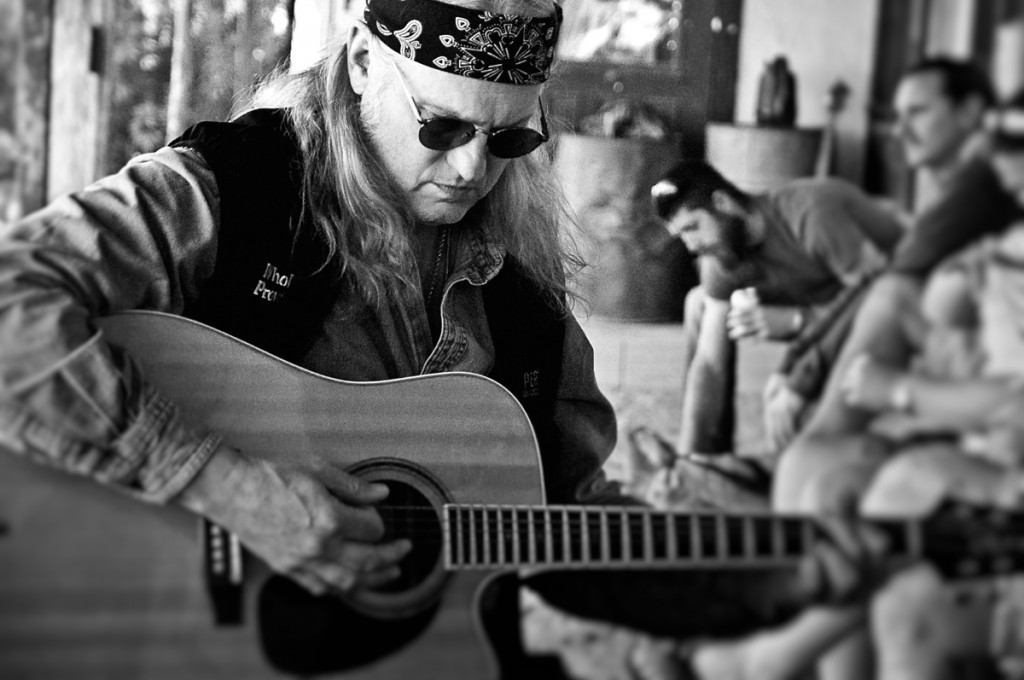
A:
(258, 169)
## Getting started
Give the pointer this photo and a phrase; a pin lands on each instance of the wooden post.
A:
(181, 70)
(33, 98)
(75, 95)
(245, 43)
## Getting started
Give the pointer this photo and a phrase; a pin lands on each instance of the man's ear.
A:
(723, 202)
(359, 38)
(972, 112)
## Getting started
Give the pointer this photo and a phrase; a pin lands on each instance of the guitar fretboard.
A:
(600, 537)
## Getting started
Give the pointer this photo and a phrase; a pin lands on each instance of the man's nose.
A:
(470, 159)
(901, 129)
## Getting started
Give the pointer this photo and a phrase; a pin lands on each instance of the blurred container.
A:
(638, 271)
(776, 94)
(756, 158)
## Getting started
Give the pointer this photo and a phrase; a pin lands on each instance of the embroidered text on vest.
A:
(531, 383)
(272, 277)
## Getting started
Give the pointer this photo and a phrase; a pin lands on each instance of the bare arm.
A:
(706, 419)
(958, 404)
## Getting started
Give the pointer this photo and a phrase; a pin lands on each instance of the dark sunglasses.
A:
(443, 133)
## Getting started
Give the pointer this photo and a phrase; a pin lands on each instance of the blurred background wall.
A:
(86, 84)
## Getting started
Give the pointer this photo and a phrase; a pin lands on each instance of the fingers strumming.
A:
(350, 488)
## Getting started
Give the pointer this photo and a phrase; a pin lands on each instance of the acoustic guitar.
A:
(94, 584)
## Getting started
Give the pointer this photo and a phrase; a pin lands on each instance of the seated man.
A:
(989, 405)
(939, 104)
(976, 397)
(798, 247)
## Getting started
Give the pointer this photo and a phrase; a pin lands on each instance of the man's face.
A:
(1009, 166)
(440, 185)
(707, 232)
(929, 125)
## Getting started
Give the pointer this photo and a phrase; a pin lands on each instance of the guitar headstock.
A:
(964, 540)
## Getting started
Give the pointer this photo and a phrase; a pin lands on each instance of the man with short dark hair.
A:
(797, 247)
(940, 103)
(939, 106)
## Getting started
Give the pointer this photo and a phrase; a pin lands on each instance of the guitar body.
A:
(94, 584)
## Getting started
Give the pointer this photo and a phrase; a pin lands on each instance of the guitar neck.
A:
(585, 537)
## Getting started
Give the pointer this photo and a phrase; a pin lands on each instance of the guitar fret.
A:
(531, 532)
(627, 537)
(467, 536)
(696, 542)
(659, 530)
(448, 534)
(566, 537)
(501, 536)
(606, 547)
(472, 537)
(749, 538)
(597, 544)
(558, 532)
(487, 547)
(540, 545)
(671, 540)
(549, 541)
(455, 526)
(648, 539)
(637, 529)
(513, 536)
(615, 533)
(517, 555)
(585, 535)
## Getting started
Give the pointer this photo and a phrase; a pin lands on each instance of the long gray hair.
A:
(351, 201)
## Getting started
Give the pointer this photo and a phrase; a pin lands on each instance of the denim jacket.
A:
(146, 238)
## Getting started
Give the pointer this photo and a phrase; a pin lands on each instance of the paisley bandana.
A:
(502, 48)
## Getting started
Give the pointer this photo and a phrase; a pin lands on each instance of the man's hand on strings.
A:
(318, 526)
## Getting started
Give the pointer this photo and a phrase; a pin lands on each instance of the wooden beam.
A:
(181, 70)
(33, 101)
(74, 96)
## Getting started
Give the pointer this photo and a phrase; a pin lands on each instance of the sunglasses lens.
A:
(441, 134)
(514, 142)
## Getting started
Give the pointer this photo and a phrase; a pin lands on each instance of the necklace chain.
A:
(440, 271)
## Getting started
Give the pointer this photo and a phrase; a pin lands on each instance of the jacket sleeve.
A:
(141, 239)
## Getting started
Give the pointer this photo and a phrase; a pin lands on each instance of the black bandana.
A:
(502, 48)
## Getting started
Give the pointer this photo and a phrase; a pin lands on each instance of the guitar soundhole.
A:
(408, 513)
